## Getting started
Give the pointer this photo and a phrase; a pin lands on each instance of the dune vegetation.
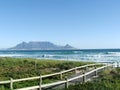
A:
(18, 68)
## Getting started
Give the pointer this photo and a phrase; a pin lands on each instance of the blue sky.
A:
(80, 23)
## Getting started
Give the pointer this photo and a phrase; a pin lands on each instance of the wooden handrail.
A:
(64, 81)
(5, 82)
(49, 75)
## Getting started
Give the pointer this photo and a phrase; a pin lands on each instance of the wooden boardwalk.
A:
(90, 71)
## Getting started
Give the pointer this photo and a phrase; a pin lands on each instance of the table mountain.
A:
(40, 46)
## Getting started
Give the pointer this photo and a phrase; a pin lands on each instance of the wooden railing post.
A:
(86, 69)
(84, 77)
(66, 84)
(75, 70)
(113, 65)
(61, 75)
(117, 64)
(108, 65)
(94, 66)
(11, 83)
(95, 71)
(40, 83)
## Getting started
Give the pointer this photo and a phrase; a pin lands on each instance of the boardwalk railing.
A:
(40, 86)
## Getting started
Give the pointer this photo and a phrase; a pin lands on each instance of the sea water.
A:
(95, 55)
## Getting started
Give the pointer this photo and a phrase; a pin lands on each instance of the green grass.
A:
(22, 68)
(18, 68)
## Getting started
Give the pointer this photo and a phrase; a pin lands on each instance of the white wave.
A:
(77, 52)
(115, 53)
(11, 55)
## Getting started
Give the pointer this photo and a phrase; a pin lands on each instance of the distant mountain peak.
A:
(44, 45)
(68, 46)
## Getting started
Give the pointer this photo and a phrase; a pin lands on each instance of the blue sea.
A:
(95, 55)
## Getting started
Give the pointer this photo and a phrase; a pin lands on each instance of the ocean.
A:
(94, 55)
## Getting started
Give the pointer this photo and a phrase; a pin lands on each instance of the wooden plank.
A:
(40, 83)
(43, 86)
(78, 67)
(95, 70)
(53, 84)
(28, 88)
(26, 79)
(71, 79)
(11, 83)
(5, 82)
(49, 75)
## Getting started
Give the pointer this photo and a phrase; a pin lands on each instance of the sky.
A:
(84, 24)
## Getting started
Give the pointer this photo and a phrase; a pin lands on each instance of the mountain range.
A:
(40, 46)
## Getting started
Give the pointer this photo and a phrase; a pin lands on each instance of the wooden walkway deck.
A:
(77, 77)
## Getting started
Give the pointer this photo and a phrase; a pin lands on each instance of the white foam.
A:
(11, 55)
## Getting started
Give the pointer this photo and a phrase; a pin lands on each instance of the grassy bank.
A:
(17, 68)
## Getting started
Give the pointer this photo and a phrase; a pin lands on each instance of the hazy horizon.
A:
(84, 24)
